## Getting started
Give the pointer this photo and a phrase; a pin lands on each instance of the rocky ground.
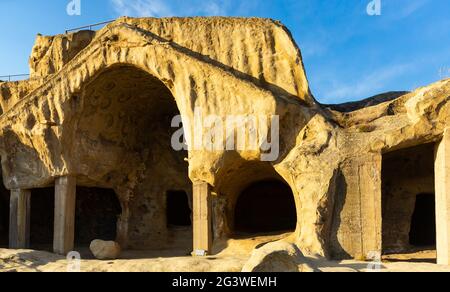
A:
(159, 261)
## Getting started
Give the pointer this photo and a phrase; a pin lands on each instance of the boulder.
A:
(105, 250)
(277, 257)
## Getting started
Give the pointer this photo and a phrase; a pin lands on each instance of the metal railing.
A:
(17, 77)
(10, 78)
(90, 26)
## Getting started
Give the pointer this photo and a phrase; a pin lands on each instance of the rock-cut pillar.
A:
(19, 219)
(442, 190)
(202, 219)
(64, 224)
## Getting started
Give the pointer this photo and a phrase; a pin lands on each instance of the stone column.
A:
(202, 219)
(442, 191)
(357, 227)
(371, 207)
(19, 219)
(64, 230)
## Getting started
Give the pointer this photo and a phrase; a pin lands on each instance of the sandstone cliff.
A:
(99, 108)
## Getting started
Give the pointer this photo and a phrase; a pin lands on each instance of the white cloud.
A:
(163, 8)
(401, 9)
(411, 7)
(213, 8)
(366, 86)
(139, 8)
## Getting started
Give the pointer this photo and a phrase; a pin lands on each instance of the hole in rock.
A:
(178, 210)
(408, 219)
(97, 212)
(42, 207)
(423, 223)
(4, 216)
(265, 207)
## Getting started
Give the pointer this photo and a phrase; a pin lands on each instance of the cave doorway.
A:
(265, 207)
(178, 210)
(42, 208)
(96, 215)
(408, 204)
(423, 223)
(4, 216)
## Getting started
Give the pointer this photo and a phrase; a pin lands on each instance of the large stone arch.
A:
(47, 116)
(122, 140)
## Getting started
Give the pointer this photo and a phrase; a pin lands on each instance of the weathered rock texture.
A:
(105, 250)
(100, 104)
(277, 257)
(51, 53)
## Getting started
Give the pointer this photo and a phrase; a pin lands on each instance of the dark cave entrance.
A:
(42, 208)
(423, 223)
(408, 202)
(96, 215)
(265, 207)
(4, 216)
(178, 210)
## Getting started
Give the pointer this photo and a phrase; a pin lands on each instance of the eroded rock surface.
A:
(105, 250)
(99, 107)
(277, 257)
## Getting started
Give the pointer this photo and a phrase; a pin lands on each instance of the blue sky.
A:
(348, 54)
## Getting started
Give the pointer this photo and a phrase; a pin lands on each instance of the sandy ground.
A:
(39, 261)
(234, 255)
